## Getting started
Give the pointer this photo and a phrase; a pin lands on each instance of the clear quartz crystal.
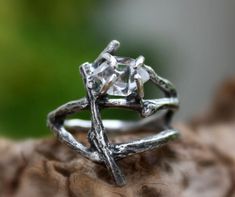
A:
(125, 83)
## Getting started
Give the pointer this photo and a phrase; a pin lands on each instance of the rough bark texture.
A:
(201, 163)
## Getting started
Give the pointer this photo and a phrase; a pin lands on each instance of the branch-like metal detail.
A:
(102, 78)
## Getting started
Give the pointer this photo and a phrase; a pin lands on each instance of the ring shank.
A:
(58, 123)
(154, 122)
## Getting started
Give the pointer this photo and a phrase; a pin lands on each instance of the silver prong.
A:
(111, 48)
(111, 59)
(140, 85)
(107, 85)
(139, 61)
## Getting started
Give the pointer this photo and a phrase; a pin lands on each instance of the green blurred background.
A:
(42, 43)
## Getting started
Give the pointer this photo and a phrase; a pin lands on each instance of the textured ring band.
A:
(116, 76)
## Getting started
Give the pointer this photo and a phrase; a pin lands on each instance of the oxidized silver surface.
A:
(117, 76)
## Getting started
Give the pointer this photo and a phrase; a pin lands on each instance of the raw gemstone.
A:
(125, 84)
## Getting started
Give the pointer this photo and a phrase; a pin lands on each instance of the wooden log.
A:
(201, 163)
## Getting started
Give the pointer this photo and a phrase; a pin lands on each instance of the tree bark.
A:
(200, 163)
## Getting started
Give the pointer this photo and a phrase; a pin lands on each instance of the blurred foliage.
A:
(42, 44)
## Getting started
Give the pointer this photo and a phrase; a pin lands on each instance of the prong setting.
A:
(140, 85)
(139, 61)
(110, 82)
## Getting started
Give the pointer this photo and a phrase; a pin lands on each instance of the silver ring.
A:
(111, 75)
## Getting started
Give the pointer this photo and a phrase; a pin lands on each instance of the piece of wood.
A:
(201, 163)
